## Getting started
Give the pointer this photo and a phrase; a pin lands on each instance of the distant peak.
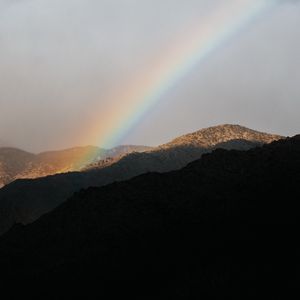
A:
(211, 136)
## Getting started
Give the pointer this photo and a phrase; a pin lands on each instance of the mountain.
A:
(223, 227)
(209, 137)
(15, 163)
(126, 149)
(18, 164)
(115, 154)
(184, 149)
(24, 201)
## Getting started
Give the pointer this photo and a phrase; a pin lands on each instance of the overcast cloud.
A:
(60, 60)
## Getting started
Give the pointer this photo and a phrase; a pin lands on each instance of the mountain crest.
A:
(211, 136)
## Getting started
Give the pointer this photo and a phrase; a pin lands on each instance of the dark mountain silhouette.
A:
(223, 227)
(24, 201)
(18, 164)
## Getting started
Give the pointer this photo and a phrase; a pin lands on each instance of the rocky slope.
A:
(17, 164)
(13, 162)
(184, 149)
(224, 227)
(211, 136)
(24, 201)
(126, 149)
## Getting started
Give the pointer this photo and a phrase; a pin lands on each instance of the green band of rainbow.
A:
(186, 55)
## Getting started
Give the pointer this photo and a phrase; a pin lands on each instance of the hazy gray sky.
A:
(60, 60)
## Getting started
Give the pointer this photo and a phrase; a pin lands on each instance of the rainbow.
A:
(149, 88)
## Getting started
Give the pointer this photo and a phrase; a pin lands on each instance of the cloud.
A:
(4, 4)
(60, 58)
(290, 1)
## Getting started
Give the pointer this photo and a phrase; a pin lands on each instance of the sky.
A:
(65, 63)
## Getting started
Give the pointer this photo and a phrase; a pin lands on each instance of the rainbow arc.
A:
(186, 55)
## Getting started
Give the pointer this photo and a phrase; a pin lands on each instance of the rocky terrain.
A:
(17, 164)
(115, 154)
(211, 136)
(24, 201)
(13, 162)
(223, 227)
(184, 149)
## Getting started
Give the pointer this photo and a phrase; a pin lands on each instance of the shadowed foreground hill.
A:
(224, 227)
(24, 201)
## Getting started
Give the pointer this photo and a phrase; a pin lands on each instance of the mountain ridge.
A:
(19, 164)
(210, 136)
(223, 226)
(24, 201)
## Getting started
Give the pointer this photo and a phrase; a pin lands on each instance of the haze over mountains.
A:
(2, 143)
(223, 227)
(16, 163)
(24, 201)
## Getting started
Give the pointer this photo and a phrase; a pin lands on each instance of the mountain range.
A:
(24, 201)
(223, 227)
(17, 164)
